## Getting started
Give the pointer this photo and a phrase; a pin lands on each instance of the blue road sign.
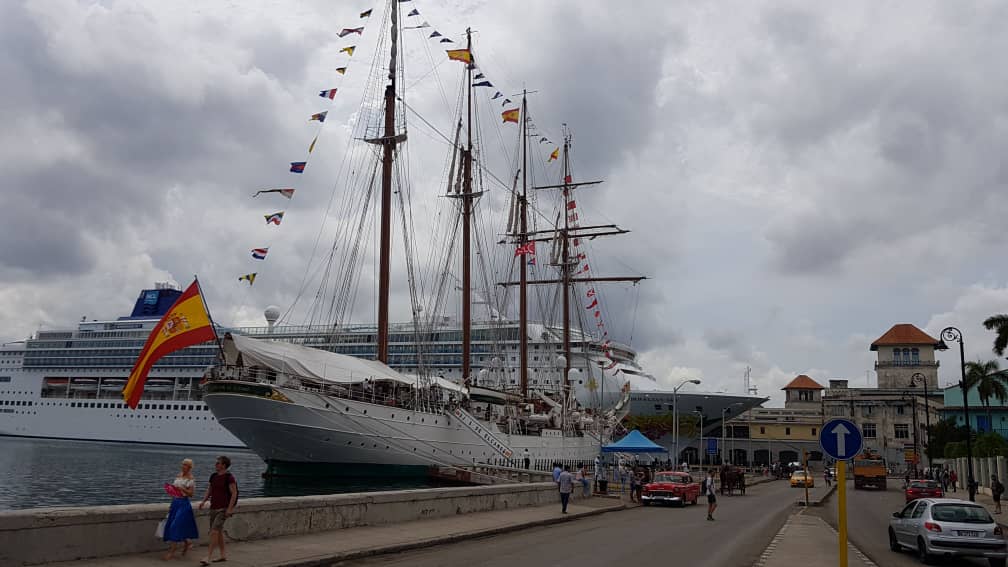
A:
(841, 439)
(712, 446)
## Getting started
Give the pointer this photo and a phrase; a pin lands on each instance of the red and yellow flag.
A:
(187, 323)
(510, 115)
(459, 55)
(554, 155)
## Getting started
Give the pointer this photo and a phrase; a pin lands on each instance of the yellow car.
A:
(800, 479)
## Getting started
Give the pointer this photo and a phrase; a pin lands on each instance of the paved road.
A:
(868, 513)
(640, 536)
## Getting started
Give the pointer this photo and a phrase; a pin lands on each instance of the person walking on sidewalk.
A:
(709, 490)
(527, 459)
(582, 477)
(566, 481)
(826, 476)
(222, 492)
(954, 479)
(997, 489)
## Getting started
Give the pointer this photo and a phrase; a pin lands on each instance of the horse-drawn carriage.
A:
(732, 479)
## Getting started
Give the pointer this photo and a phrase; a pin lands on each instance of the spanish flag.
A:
(187, 323)
(460, 55)
(510, 115)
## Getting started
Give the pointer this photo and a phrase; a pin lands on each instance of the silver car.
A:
(946, 527)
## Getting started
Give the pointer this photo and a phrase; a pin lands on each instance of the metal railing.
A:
(406, 396)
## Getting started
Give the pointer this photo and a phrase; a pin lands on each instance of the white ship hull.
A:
(350, 435)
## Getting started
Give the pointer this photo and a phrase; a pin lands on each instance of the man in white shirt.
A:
(708, 489)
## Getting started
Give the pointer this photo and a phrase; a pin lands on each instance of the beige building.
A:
(894, 414)
(781, 434)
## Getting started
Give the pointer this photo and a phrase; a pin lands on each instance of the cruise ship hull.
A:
(313, 433)
(103, 420)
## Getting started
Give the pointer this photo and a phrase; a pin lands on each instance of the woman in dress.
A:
(180, 525)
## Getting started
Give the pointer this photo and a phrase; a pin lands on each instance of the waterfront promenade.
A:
(768, 527)
(356, 543)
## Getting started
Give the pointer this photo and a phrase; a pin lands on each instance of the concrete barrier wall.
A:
(30, 537)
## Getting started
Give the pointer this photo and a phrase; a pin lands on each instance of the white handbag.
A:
(159, 530)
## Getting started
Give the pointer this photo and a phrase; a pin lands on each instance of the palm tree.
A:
(984, 376)
(998, 324)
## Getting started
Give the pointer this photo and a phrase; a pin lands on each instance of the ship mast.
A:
(467, 198)
(522, 241)
(388, 141)
(566, 279)
(565, 263)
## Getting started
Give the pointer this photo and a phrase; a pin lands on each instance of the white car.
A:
(946, 527)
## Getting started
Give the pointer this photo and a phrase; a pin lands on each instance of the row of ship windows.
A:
(17, 403)
(147, 416)
(114, 405)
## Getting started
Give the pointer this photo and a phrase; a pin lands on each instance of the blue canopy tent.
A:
(634, 442)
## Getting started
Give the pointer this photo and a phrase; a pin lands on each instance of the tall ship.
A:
(306, 410)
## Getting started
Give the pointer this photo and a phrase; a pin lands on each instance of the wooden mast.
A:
(467, 197)
(523, 259)
(388, 141)
(565, 264)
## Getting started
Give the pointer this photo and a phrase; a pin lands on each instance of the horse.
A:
(732, 478)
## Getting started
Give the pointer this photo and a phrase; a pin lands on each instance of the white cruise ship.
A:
(66, 384)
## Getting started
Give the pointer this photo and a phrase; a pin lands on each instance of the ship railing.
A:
(368, 391)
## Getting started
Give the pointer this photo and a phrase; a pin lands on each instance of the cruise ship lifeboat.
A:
(160, 385)
(84, 384)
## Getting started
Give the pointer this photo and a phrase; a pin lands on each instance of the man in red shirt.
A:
(222, 492)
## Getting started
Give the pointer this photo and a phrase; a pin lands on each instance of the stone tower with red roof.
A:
(905, 350)
(803, 392)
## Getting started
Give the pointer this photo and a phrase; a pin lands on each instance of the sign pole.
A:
(841, 469)
(842, 440)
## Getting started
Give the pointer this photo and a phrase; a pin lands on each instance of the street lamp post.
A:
(724, 413)
(954, 334)
(927, 414)
(700, 452)
(913, 400)
(675, 415)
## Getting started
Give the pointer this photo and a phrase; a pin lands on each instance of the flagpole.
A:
(206, 308)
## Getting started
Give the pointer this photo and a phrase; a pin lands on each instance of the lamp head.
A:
(940, 345)
(695, 381)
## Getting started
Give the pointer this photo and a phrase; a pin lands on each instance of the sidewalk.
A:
(807, 540)
(325, 548)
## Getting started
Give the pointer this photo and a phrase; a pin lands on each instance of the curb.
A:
(816, 503)
(330, 559)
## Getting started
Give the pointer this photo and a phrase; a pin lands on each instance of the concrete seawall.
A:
(29, 537)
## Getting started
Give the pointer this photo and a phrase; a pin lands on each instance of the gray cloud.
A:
(792, 176)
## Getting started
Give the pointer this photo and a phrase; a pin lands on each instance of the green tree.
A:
(942, 436)
(989, 384)
(990, 445)
(998, 324)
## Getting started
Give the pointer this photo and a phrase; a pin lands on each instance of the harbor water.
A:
(37, 473)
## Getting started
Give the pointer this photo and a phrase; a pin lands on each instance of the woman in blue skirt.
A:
(180, 525)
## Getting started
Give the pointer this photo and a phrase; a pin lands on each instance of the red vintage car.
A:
(923, 489)
(671, 487)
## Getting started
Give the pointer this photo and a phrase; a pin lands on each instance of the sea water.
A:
(36, 473)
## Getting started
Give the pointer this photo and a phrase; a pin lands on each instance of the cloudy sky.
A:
(797, 179)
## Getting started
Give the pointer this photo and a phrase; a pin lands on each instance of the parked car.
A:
(671, 487)
(923, 489)
(946, 527)
(799, 479)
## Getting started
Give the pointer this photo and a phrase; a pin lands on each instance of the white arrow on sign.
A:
(841, 432)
